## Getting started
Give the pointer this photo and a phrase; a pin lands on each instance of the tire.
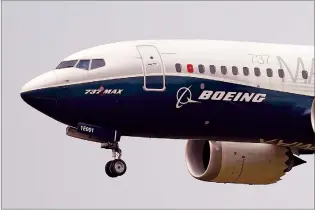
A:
(108, 171)
(118, 167)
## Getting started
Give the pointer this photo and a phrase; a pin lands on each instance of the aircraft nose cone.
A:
(40, 94)
(44, 101)
(25, 96)
(40, 88)
(29, 97)
(45, 80)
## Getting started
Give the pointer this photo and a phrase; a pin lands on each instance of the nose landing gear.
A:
(116, 167)
(109, 140)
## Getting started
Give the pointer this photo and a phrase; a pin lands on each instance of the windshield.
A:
(97, 63)
(83, 64)
(67, 64)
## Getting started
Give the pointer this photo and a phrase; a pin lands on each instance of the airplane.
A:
(246, 109)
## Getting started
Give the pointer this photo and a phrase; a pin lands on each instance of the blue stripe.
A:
(139, 113)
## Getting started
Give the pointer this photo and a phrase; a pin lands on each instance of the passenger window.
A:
(281, 73)
(178, 67)
(190, 68)
(304, 74)
(245, 71)
(234, 70)
(201, 68)
(83, 64)
(67, 64)
(269, 72)
(212, 69)
(97, 63)
(223, 70)
(257, 72)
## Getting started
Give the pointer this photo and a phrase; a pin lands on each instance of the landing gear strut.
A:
(116, 167)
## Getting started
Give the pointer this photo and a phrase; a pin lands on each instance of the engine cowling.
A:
(243, 163)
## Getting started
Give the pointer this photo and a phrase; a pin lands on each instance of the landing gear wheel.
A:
(108, 171)
(118, 167)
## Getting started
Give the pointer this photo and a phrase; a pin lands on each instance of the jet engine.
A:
(242, 163)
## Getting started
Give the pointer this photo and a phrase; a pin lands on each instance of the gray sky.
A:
(44, 168)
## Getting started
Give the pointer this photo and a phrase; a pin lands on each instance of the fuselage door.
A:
(153, 68)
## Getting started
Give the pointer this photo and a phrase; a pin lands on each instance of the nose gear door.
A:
(153, 68)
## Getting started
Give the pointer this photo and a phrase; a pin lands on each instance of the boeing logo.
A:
(181, 100)
(184, 96)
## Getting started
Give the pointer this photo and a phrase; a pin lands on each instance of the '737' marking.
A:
(104, 91)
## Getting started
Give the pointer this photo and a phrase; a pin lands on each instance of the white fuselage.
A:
(264, 70)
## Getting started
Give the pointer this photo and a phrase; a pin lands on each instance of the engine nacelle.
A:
(243, 163)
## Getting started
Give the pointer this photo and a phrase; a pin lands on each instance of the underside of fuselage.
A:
(179, 111)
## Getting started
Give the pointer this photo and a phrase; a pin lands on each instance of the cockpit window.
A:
(67, 64)
(97, 63)
(83, 64)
